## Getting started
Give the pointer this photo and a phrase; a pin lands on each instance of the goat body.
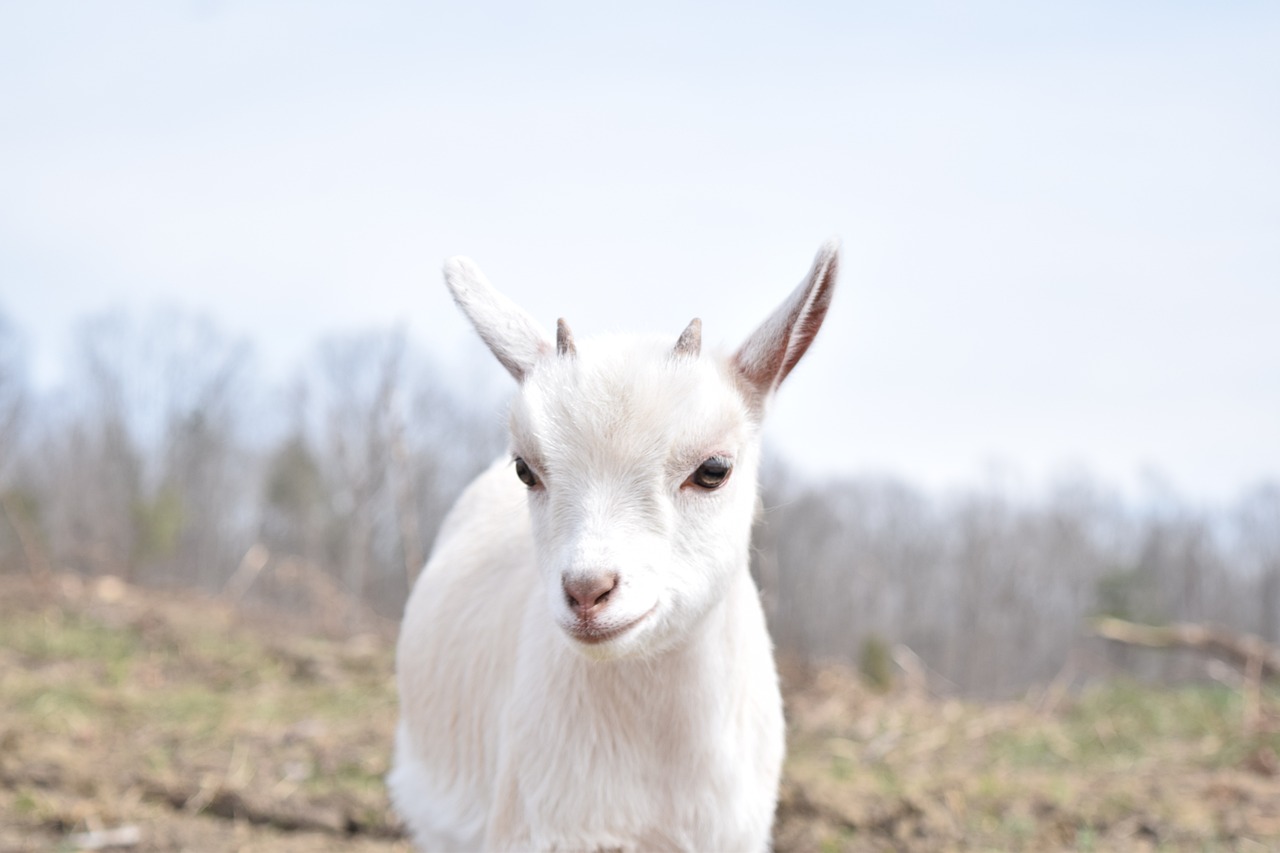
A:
(584, 663)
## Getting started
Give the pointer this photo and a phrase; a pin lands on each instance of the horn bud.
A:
(690, 342)
(564, 339)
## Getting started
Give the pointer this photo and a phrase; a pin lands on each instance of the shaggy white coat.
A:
(518, 734)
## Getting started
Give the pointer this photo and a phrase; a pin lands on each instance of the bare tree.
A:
(139, 463)
(1257, 529)
(360, 377)
(13, 390)
(18, 523)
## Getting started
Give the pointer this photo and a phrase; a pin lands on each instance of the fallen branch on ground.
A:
(1248, 650)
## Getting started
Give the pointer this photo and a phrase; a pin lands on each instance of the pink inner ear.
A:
(760, 359)
(803, 332)
(775, 348)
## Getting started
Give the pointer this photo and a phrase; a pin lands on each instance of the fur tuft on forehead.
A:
(622, 399)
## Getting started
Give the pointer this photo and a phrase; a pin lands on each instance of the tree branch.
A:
(1245, 649)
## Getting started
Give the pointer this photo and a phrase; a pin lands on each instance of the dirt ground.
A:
(137, 720)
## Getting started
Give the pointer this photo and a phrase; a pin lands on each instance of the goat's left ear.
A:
(773, 349)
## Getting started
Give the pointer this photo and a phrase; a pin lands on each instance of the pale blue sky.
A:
(1061, 221)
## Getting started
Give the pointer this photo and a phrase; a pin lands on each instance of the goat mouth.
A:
(586, 631)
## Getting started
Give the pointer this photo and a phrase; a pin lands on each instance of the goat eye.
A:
(711, 474)
(525, 474)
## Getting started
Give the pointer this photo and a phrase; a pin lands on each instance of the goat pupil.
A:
(525, 475)
(712, 473)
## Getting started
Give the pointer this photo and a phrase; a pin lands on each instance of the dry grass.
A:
(194, 727)
(1120, 767)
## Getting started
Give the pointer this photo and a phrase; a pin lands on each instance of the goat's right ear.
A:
(513, 336)
(773, 349)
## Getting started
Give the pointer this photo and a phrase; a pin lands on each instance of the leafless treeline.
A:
(994, 594)
(164, 458)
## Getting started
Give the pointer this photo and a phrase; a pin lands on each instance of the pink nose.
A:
(588, 595)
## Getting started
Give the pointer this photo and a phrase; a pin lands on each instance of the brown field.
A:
(172, 722)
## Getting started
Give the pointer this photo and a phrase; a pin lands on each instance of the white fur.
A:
(517, 732)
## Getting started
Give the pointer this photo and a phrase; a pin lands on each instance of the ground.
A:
(182, 723)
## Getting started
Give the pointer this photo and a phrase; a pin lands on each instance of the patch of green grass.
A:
(1027, 749)
(354, 775)
(887, 779)
(1140, 712)
(1123, 723)
(192, 708)
(24, 804)
(837, 842)
(1019, 827)
(52, 636)
(843, 768)
(54, 709)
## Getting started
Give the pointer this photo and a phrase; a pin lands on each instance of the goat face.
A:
(640, 458)
(640, 463)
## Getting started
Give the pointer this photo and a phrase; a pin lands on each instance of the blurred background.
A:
(1049, 387)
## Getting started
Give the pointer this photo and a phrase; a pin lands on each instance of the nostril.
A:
(585, 595)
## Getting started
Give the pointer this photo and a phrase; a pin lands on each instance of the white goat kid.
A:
(584, 663)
